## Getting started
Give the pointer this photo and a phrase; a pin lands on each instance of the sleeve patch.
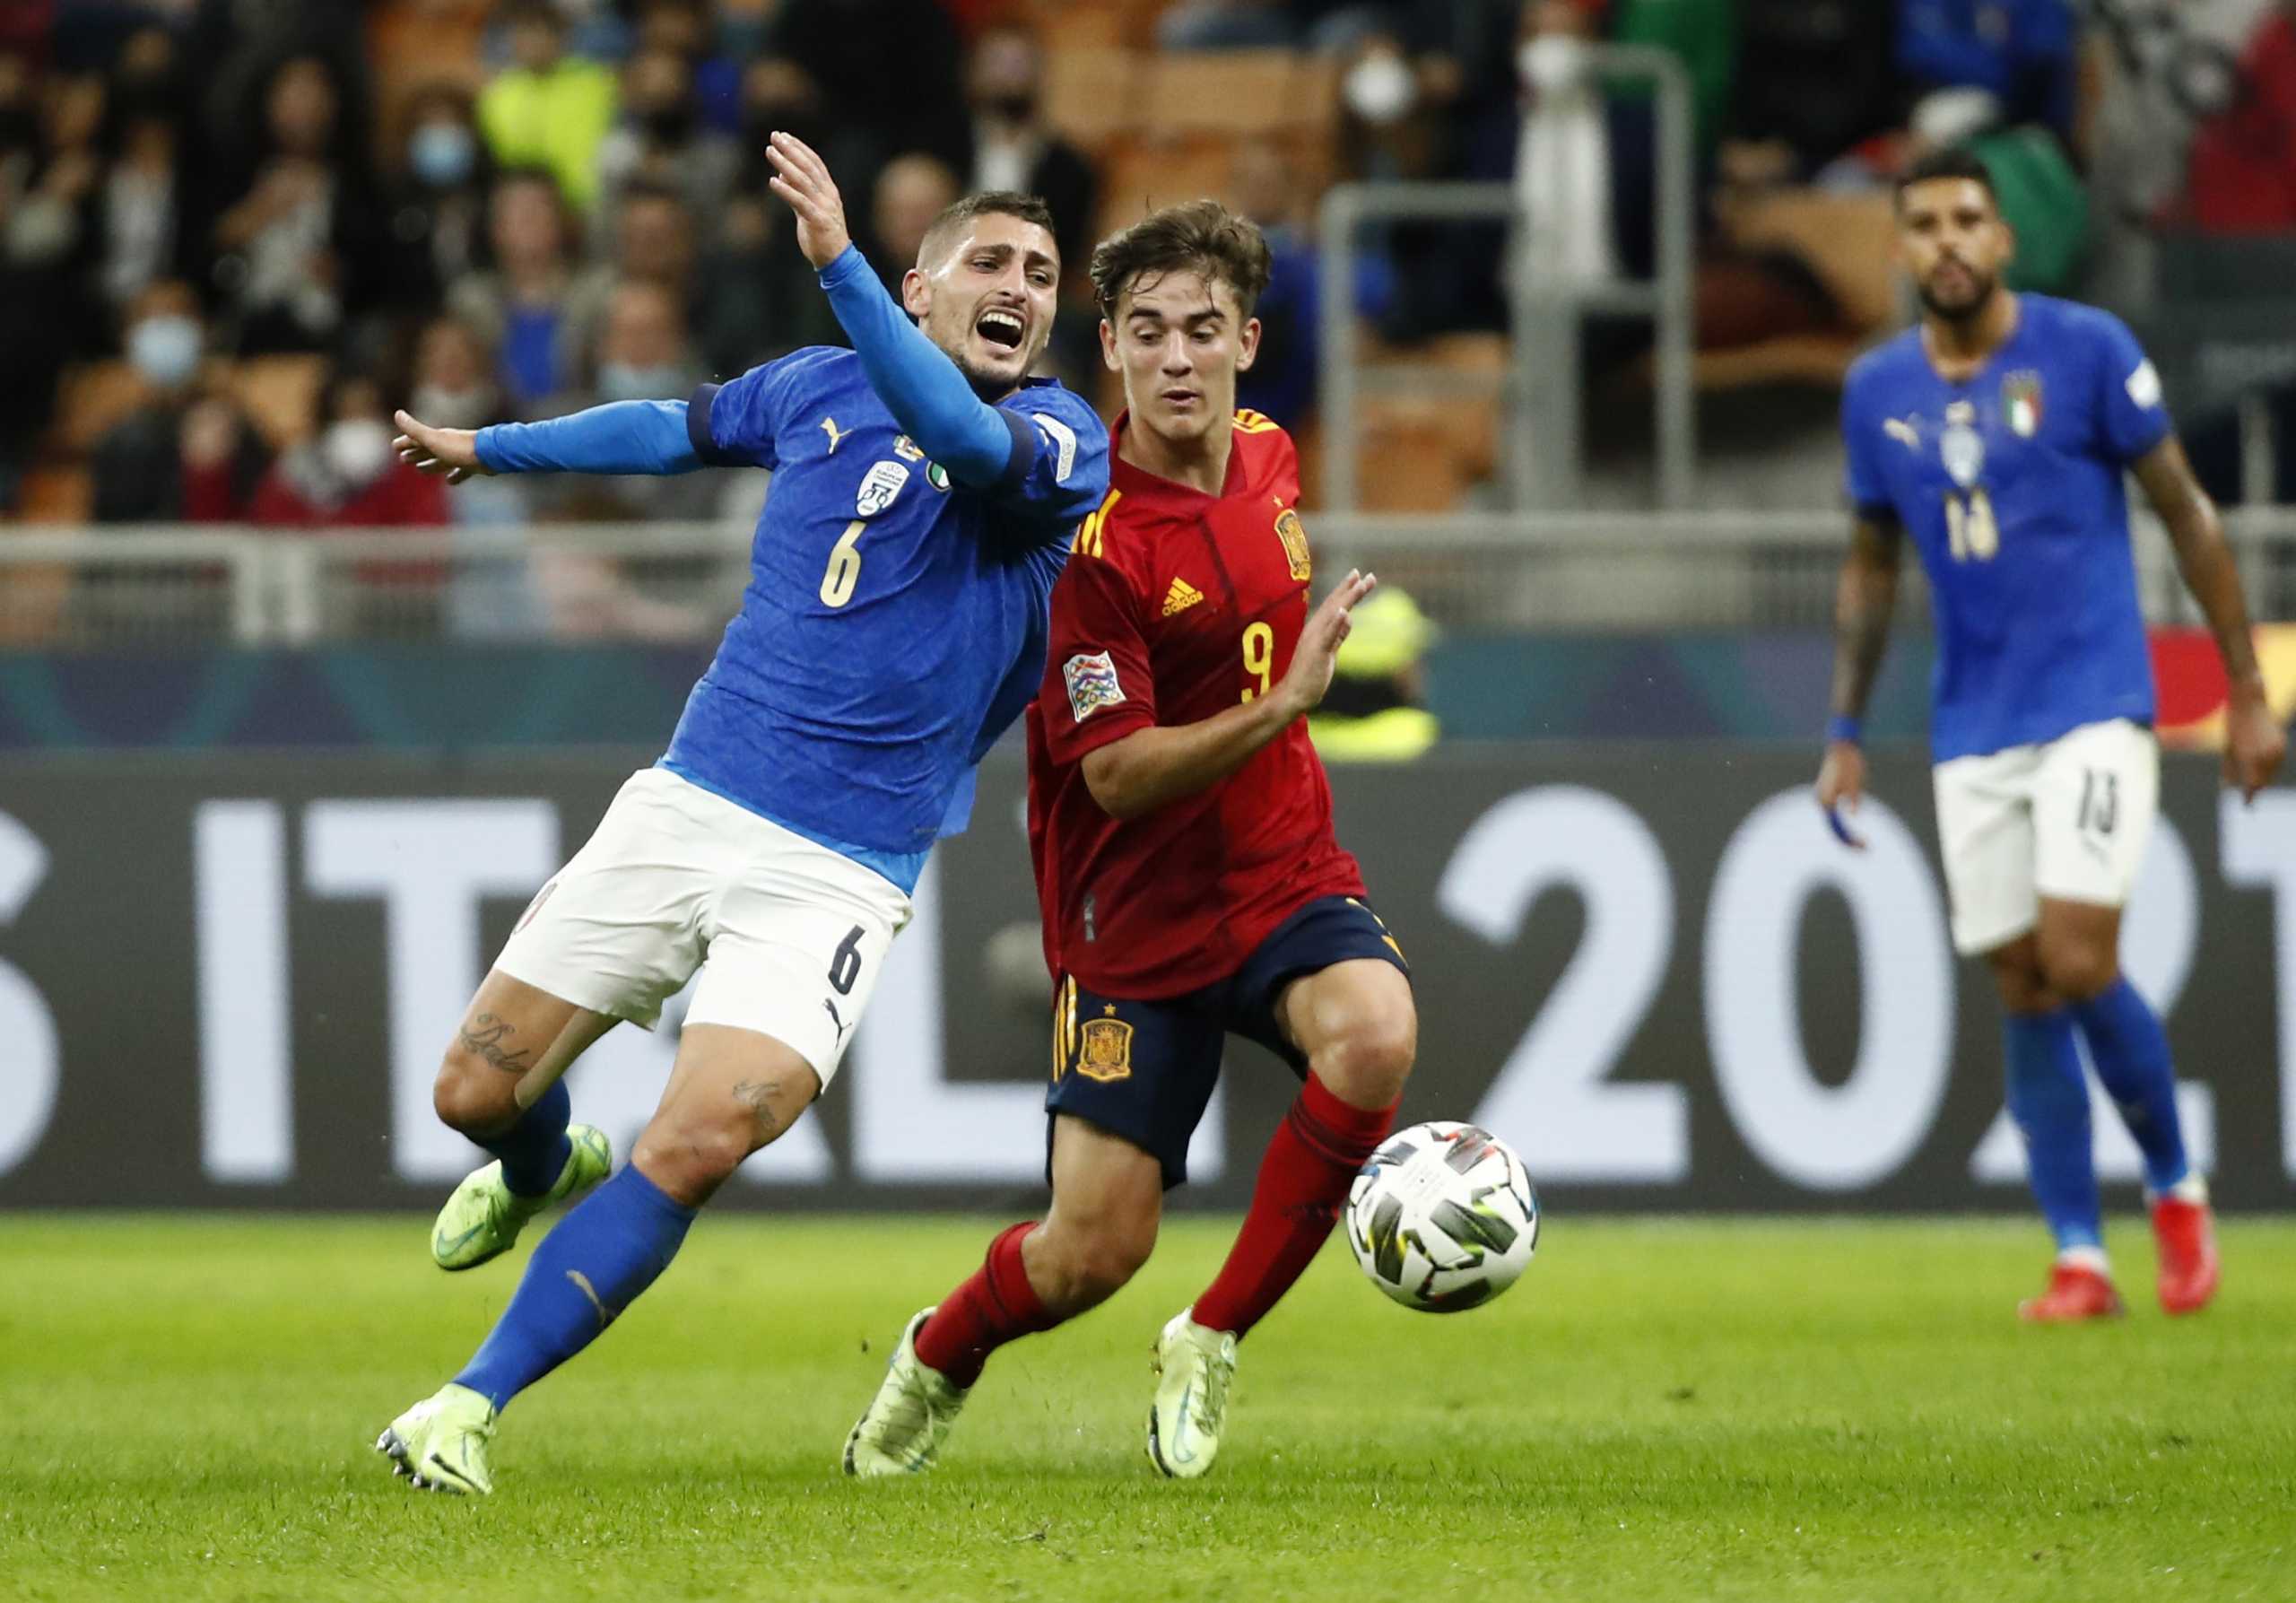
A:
(1062, 439)
(2145, 386)
(1092, 684)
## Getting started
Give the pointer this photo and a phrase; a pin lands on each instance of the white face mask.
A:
(357, 449)
(1380, 88)
(1550, 63)
(472, 408)
(624, 381)
(165, 349)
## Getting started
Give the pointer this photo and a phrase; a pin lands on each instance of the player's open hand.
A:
(451, 451)
(2254, 743)
(801, 178)
(1841, 787)
(1316, 657)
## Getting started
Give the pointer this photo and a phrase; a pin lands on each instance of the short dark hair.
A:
(1201, 235)
(989, 202)
(1949, 161)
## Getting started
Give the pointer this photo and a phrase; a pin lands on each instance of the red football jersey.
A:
(1175, 607)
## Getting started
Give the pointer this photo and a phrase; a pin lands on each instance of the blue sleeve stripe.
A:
(1024, 450)
(696, 427)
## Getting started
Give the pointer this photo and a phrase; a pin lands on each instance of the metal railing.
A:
(112, 589)
(1557, 573)
(1542, 383)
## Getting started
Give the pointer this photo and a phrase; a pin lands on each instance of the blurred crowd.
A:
(235, 234)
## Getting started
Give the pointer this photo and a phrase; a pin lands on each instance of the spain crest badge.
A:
(1106, 1053)
(1294, 535)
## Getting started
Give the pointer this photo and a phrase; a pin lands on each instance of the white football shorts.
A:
(788, 936)
(2067, 821)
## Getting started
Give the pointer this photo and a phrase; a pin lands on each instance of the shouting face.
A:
(984, 293)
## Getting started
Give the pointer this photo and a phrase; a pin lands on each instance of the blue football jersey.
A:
(894, 623)
(2011, 487)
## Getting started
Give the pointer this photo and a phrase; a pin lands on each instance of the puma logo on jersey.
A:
(829, 428)
(1180, 598)
(1903, 431)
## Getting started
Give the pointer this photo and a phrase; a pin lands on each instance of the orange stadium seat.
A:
(1139, 175)
(1093, 96)
(1232, 93)
(281, 393)
(1406, 457)
(57, 495)
(92, 397)
(1095, 23)
(1845, 240)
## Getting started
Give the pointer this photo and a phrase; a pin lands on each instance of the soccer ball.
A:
(1443, 1218)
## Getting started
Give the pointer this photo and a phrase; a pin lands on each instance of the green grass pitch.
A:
(1661, 1410)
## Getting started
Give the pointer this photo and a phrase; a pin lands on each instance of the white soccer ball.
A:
(1443, 1218)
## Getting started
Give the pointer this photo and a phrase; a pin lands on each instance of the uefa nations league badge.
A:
(878, 489)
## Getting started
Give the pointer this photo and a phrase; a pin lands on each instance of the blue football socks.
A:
(533, 1151)
(2131, 1052)
(2048, 1098)
(603, 1254)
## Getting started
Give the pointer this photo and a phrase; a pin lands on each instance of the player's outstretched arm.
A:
(2254, 743)
(648, 437)
(1150, 767)
(932, 401)
(1863, 604)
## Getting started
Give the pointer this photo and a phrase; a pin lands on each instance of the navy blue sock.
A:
(606, 1251)
(533, 1151)
(2049, 1097)
(2131, 1052)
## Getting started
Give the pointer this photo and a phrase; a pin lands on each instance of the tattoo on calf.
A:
(764, 1100)
(483, 1038)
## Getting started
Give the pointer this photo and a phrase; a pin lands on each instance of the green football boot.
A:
(440, 1445)
(1194, 1367)
(909, 1418)
(482, 1219)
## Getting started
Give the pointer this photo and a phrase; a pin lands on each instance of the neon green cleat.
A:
(482, 1219)
(1197, 1366)
(440, 1445)
(909, 1418)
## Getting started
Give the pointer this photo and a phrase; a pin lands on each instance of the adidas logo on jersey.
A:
(1180, 598)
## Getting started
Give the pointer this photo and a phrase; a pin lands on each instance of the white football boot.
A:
(1196, 1366)
(909, 1418)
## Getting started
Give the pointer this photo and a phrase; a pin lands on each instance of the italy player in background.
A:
(1996, 434)
(924, 490)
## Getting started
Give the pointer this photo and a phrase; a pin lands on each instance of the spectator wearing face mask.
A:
(549, 110)
(454, 378)
(186, 453)
(438, 200)
(1014, 149)
(660, 140)
(346, 475)
(644, 353)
